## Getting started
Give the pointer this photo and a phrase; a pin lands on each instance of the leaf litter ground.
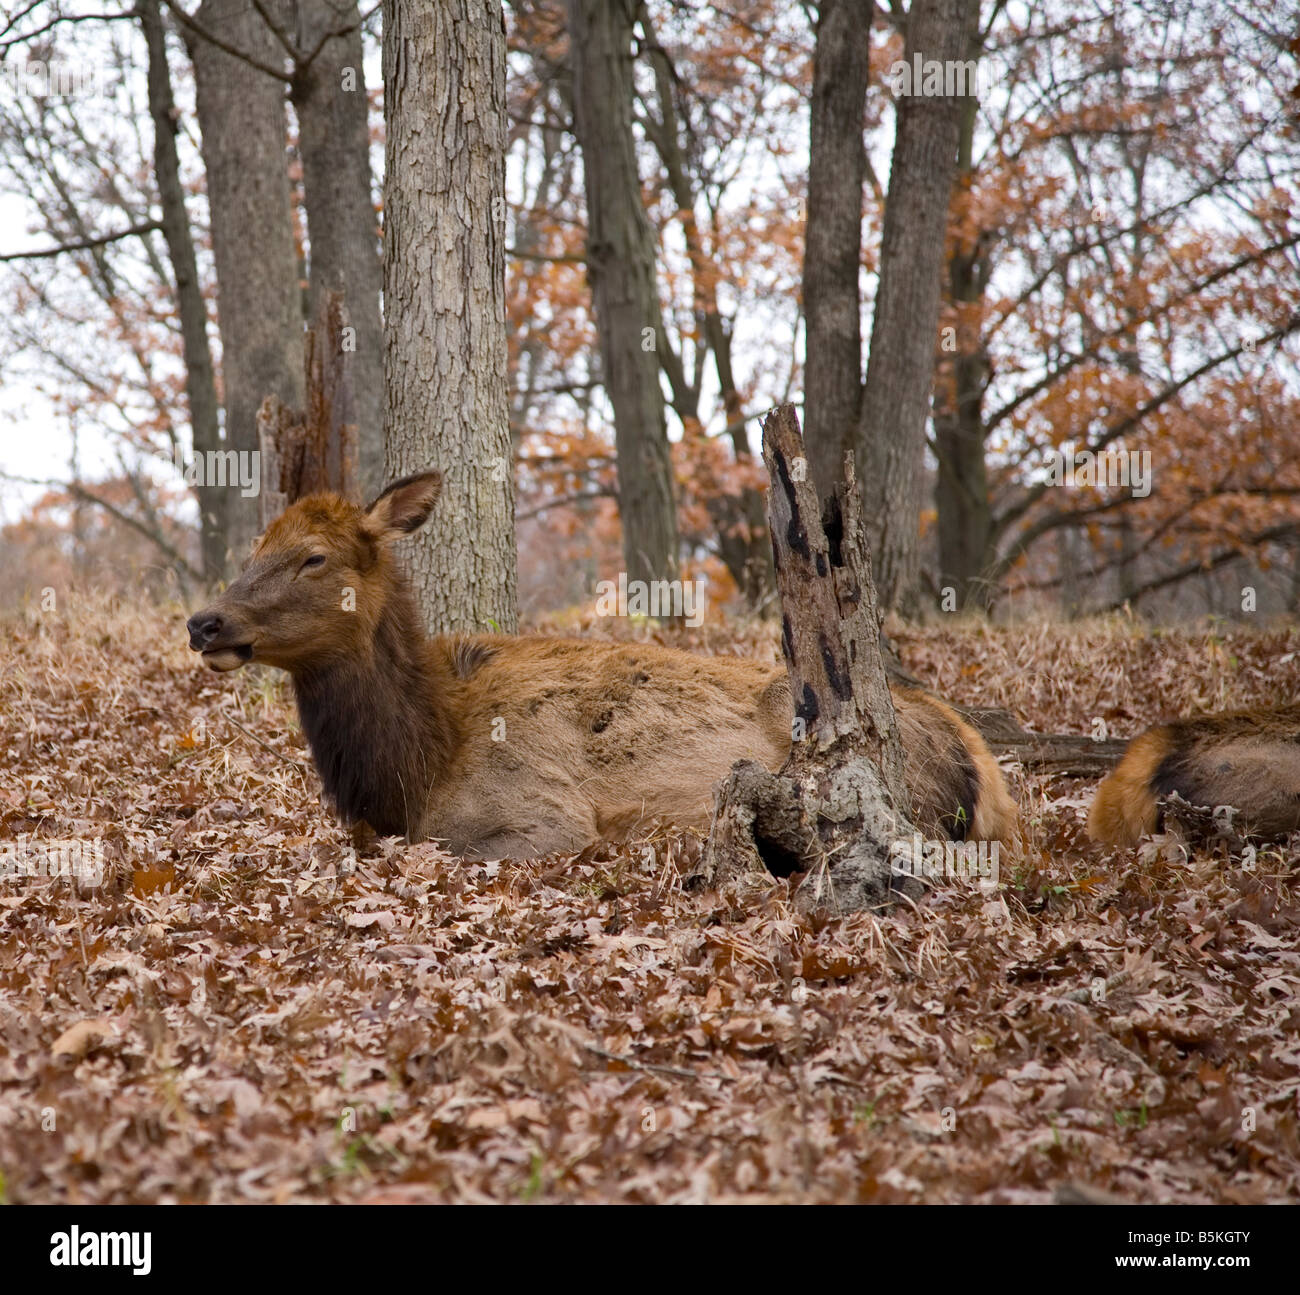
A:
(257, 1006)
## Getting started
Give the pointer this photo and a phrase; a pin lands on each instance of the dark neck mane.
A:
(379, 730)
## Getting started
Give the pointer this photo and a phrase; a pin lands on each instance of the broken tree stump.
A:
(304, 451)
(839, 803)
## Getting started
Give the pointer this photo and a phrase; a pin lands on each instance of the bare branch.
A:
(84, 244)
(306, 62)
(22, 37)
(89, 497)
(570, 258)
(225, 46)
(529, 513)
(1203, 566)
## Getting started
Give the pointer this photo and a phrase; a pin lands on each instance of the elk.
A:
(1249, 760)
(523, 746)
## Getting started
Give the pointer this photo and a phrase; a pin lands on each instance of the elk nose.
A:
(203, 628)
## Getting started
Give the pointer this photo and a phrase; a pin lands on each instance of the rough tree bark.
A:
(329, 96)
(259, 309)
(833, 239)
(621, 267)
(200, 380)
(836, 808)
(900, 370)
(444, 301)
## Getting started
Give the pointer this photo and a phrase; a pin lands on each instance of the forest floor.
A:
(249, 1009)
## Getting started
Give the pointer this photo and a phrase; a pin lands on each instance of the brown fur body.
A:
(1249, 760)
(600, 739)
(505, 746)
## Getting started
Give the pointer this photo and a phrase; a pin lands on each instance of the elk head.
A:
(316, 583)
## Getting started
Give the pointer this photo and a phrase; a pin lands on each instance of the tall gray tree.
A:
(740, 519)
(241, 114)
(621, 256)
(965, 512)
(833, 239)
(200, 380)
(444, 300)
(328, 92)
(900, 369)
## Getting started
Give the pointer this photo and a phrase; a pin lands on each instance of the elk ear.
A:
(403, 507)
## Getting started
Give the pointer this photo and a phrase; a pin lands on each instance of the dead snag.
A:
(304, 451)
(839, 802)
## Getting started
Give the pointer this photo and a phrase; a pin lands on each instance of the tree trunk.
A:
(740, 520)
(259, 309)
(1126, 574)
(621, 266)
(835, 809)
(833, 237)
(200, 381)
(961, 492)
(1293, 593)
(329, 96)
(1070, 542)
(444, 301)
(900, 370)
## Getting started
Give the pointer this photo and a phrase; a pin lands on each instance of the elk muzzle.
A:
(223, 645)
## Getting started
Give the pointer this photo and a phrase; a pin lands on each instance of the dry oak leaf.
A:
(79, 1039)
(384, 920)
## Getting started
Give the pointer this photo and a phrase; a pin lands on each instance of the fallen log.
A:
(1062, 755)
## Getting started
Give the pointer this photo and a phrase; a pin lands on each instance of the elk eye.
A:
(316, 560)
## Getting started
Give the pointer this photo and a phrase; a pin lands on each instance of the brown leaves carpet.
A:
(253, 1008)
